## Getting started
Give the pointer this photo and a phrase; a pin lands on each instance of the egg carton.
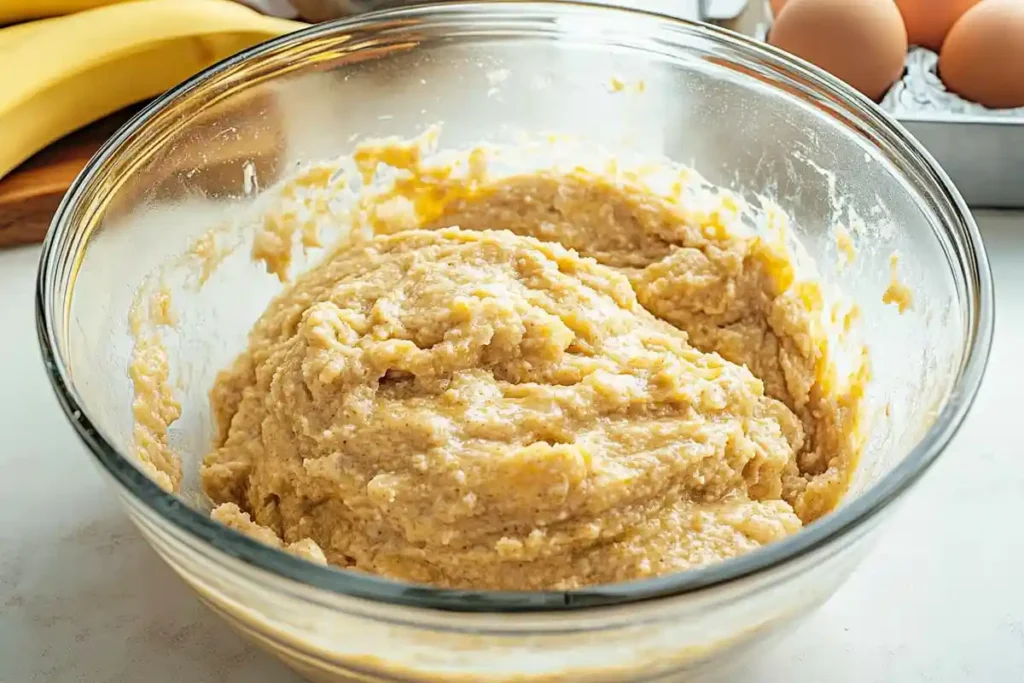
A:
(981, 149)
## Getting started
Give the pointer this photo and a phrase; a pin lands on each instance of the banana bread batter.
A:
(543, 381)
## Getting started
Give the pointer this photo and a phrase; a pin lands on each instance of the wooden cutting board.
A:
(30, 194)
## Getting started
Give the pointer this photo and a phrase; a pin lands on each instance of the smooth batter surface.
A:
(580, 385)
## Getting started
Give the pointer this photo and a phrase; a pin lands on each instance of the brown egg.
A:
(983, 57)
(863, 42)
(928, 21)
(777, 6)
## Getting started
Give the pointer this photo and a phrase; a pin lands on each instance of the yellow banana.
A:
(23, 10)
(12, 34)
(61, 74)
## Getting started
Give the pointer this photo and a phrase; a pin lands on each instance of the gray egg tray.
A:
(981, 149)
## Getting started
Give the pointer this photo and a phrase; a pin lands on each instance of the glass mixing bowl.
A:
(745, 115)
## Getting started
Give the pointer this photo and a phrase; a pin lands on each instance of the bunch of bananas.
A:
(71, 62)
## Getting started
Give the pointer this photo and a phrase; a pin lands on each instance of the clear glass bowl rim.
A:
(852, 516)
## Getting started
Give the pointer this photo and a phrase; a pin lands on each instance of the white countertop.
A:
(83, 598)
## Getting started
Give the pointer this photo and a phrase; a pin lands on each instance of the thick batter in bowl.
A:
(171, 187)
(529, 380)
